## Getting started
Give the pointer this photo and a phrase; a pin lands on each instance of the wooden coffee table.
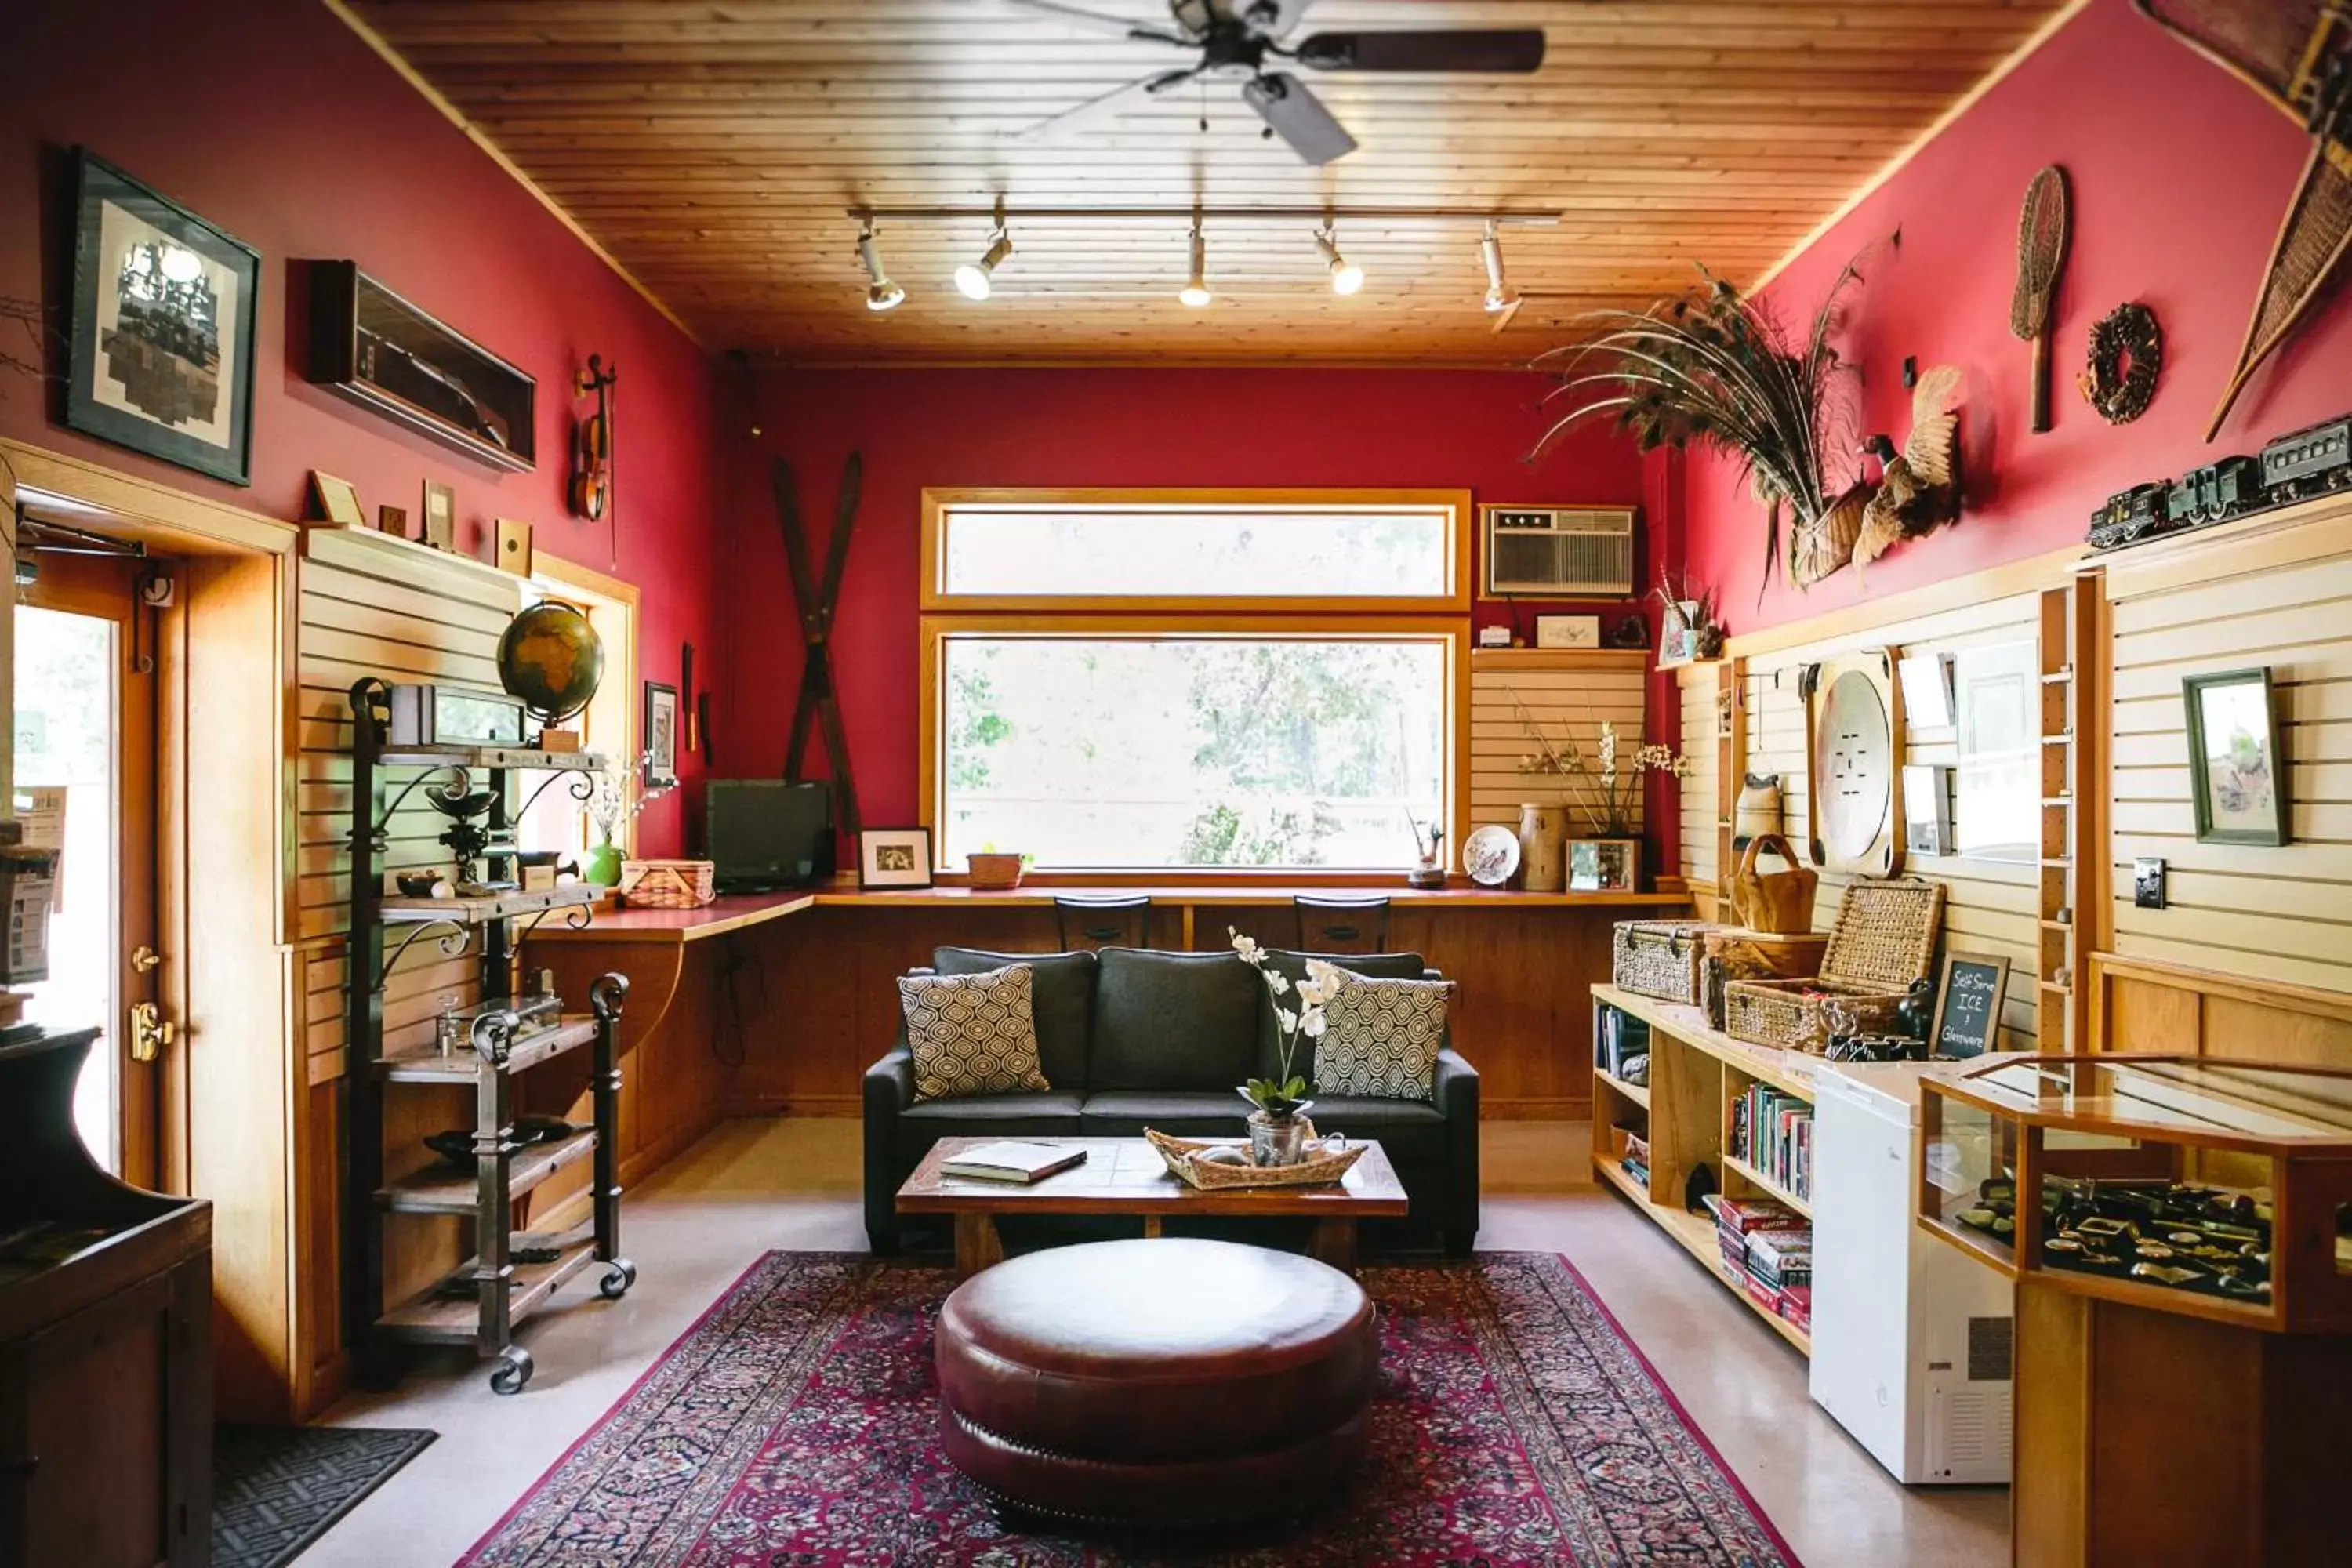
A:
(1126, 1176)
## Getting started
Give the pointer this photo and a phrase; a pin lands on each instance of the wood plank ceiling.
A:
(713, 146)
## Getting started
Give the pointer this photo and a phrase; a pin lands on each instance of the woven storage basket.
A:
(667, 884)
(1657, 958)
(1318, 1169)
(1883, 940)
(1732, 953)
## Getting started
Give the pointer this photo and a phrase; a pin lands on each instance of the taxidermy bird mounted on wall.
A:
(1921, 485)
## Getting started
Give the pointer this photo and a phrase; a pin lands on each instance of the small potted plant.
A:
(1278, 1124)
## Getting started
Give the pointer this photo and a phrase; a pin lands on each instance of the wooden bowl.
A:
(994, 873)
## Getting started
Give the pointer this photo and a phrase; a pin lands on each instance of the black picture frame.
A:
(131, 385)
(876, 843)
(660, 735)
(1991, 1020)
(2217, 827)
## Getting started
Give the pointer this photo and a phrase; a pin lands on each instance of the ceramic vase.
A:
(601, 866)
(1543, 848)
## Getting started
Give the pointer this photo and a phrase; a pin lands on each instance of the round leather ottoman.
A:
(1166, 1382)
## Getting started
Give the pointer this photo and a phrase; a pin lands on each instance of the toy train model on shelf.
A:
(2295, 467)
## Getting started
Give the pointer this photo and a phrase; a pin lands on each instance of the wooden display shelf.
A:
(1639, 1093)
(443, 1189)
(1756, 1178)
(1790, 1071)
(1695, 1235)
(528, 759)
(432, 1318)
(429, 1066)
(405, 911)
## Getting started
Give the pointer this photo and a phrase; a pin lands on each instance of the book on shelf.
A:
(1011, 1162)
(1621, 1039)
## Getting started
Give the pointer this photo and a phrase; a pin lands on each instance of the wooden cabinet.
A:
(106, 1404)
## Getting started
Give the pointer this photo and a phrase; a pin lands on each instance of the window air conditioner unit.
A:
(1558, 552)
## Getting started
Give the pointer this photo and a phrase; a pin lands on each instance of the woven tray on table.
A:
(1883, 940)
(1318, 1169)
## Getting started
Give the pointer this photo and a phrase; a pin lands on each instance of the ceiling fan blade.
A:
(1500, 49)
(1101, 106)
(1298, 117)
(1099, 21)
(1265, 18)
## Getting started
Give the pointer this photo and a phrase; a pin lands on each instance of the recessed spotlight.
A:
(973, 278)
(1346, 276)
(881, 294)
(1499, 296)
(1195, 291)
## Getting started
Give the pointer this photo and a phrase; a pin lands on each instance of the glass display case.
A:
(2217, 1188)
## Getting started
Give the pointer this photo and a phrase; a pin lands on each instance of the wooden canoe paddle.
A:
(2042, 231)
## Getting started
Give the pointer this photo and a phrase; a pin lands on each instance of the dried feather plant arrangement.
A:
(1719, 369)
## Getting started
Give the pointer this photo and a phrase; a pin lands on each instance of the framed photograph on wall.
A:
(162, 327)
(661, 735)
(1567, 631)
(2237, 779)
(338, 501)
(894, 857)
(439, 527)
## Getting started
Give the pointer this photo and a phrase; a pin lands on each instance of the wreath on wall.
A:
(2127, 354)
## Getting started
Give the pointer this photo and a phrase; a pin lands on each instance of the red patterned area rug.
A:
(796, 1426)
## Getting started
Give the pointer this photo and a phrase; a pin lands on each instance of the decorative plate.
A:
(1490, 855)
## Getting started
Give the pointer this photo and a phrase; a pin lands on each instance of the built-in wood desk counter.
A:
(763, 1004)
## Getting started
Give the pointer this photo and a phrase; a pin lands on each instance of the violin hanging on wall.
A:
(590, 491)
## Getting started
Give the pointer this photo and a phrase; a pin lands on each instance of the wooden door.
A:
(85, 774)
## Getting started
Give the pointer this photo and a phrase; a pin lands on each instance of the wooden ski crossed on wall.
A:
(819, 704)
(2297, 54)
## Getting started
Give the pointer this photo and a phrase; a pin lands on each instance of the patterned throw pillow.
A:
(1380, 1037)
(972, 1034)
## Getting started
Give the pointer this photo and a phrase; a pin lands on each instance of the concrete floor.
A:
(755, 1186)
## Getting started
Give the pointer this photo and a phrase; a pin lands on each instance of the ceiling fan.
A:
(1239, 38)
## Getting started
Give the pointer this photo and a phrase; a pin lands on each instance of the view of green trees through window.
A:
(1193, 751)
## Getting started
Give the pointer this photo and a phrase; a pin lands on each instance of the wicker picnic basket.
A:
(1320, 1168)
(1883, 940)
(1658, 958)
(1733, 952)
(667, 884)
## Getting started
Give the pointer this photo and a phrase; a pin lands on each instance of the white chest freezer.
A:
(1911, 1337)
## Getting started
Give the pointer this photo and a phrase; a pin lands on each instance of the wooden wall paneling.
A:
(1566, 693)
(2281, 598)
(1991, 906)
(712, 155)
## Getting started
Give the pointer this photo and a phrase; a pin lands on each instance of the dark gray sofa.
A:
(1130, 1038)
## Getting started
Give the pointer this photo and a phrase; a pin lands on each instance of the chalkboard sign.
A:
(1967, 1004)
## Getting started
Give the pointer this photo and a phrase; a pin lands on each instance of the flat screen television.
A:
(764, 834)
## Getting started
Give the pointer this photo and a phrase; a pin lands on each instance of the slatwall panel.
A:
(2269, 914)
(1565, 693)
(1701, 806)
(372, 604)
(1990, 906)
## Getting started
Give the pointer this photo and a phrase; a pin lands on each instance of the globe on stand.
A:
(551, 661)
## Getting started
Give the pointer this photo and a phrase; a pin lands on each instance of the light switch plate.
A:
(2147, 883)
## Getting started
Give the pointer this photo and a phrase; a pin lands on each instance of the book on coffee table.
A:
(1011, 1162)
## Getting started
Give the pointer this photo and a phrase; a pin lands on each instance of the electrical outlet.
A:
(2147, 883)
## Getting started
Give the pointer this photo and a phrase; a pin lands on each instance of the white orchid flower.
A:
(1289, 1020)
(1277, 984)
(1312, 1025)
(1246, 946)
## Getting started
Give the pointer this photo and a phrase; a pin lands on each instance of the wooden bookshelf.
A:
(1696, 1073)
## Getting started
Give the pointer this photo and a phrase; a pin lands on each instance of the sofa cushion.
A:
(981, 1116)
(1381, 1037)
(1292, 966)
(1410, 1131)
(1190, 1113)
(1173, 1021)
(972, 1034)
(1061, 995)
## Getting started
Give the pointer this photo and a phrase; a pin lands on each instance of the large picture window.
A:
(1158, 719)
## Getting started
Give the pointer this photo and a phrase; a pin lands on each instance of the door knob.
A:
(150, 1032)
(144, 958)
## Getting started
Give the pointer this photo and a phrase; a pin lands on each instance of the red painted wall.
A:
(280, 126)
(2179, 176)
(1079, 427)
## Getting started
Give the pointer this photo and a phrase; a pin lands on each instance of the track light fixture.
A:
(1346, 276)
(973, 278)
(1195, 291)
(1499, 296)
(881, 294)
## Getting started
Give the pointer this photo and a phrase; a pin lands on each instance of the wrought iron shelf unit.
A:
(511, 1274)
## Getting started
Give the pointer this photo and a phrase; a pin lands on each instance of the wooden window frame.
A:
(1452, 632)
(616, 702)
(935, 599)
